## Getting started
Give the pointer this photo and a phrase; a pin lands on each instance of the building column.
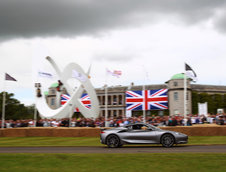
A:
(117, 113)
(117, 99)
(123, 113)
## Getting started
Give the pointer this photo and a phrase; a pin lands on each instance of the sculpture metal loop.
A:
(65, 111)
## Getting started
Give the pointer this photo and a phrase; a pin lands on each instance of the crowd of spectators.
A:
(176, 120)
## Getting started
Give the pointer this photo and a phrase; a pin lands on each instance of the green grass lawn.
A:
(90, 141)
(113, 162)
(108, 162)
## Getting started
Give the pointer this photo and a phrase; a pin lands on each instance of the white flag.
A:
(81, 77)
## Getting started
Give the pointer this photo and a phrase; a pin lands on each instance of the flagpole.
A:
(35, 115)
(145, 79)
(185, 97)
(106, 99)
(3, 105)
(144, 112)
(10, 78)
(106, 102)
(3, 110)
(70, 115)
(37, 85)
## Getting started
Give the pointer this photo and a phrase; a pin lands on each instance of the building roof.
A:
(54, 85)
(178, 76)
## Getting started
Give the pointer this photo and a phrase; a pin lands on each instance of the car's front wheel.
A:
(167, 140)
(113, 141)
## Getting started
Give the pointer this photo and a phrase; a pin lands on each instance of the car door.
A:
(138, 135)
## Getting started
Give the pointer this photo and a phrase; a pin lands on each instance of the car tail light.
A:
(102, 132)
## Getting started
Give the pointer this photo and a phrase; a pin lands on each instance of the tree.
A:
(14, 109)
(195, 101)
(214, 101)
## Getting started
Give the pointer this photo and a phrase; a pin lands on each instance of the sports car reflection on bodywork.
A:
(140, 133)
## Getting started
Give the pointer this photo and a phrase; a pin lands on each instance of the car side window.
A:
(138, 127)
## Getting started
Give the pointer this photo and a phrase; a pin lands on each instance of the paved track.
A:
(125, 149)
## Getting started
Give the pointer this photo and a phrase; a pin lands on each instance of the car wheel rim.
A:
(168, 141)
(113, 141)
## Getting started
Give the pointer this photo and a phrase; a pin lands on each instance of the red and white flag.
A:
(116, 73)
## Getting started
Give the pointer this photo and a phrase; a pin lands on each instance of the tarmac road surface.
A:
(125, 149)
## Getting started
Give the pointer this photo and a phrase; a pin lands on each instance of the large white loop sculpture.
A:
(66, 110)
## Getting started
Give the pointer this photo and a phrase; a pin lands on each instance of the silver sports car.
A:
(140, 133)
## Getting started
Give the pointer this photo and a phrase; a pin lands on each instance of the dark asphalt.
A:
(125, 149)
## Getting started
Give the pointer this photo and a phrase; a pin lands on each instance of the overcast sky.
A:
(147, 40)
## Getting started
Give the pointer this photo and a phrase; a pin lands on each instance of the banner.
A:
(147, 100)
(128, 113)
(203, 109)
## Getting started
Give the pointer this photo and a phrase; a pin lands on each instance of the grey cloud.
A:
(220, 23)
(66, 18)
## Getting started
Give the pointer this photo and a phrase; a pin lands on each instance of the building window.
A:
(175, 84)
(99, 99)
(52, 101)
(109, 100)
(104, 100)
(120, 99)
(109, 113)
(114, 100)
(175, 96)
(53, 91)
(114, 113)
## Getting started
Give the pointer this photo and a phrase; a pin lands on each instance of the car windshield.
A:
(153, 127)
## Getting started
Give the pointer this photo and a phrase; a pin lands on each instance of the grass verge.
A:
(90, 141)
(113, 162)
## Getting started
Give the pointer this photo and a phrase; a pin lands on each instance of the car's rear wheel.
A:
(113, 141)
(167, 140)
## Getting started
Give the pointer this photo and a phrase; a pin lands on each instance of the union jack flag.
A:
(147, 100)
(85, 99)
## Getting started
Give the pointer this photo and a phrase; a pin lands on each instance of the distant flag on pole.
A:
(190, 72)
(116, 73)
(45, 74)
(9, 78)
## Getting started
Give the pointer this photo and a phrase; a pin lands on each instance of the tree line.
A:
(14, 109)
(214, 101)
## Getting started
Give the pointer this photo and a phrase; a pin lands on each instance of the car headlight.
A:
(178, 133)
